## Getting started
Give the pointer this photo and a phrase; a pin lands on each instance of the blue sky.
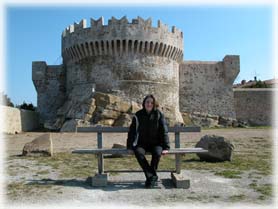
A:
(210, 33)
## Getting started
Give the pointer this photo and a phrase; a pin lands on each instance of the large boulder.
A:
(204, 120)
(227, 122)
(219, 148)
(118, 146)
(41, 146)
(124, 120)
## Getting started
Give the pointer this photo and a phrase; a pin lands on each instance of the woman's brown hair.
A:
(155, 103)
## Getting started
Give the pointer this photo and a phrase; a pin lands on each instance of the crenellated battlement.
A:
(114, 22)
(121, 37)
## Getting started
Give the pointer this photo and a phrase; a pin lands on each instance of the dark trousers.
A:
(149, 169)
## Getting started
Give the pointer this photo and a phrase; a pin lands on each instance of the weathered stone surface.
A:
(226, 122)
(179, 181)
(219, 148)
(254, 106)
(208, 120)
(208, 86)
(214, 117)
(41, 146)
(186, 119)
(50, 84)
(106, 122)
(70, 125)
(100, 180)
(135, 107)
(203, 120)
(111, 102)
(78, 110)
(18, 120)
(118, 146)
(110, 114)
(123, 120)
(54, 125)
(170, 116)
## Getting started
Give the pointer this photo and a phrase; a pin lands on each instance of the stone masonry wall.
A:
(16, 120)
(49, 81)
(207, 86)
(254, 105)
(129, 60)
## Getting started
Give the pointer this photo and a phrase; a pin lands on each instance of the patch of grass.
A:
(16, 189)
(229, 174)
(194, 198)
(260, 127)
(238, 163)
(44, 172)
(264, 189)
(236, 198)
(69, 165)
(130, 162)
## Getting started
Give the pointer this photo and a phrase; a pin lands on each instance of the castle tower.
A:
(129, 60)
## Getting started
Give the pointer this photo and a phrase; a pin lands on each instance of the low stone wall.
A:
(254, 105)
(16, 120)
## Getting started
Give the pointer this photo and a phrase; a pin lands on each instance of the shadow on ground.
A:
(112, 185)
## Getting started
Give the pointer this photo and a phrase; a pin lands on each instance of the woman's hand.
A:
(164, 152)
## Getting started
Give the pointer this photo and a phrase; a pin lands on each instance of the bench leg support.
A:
(100, 180)
(179, 181)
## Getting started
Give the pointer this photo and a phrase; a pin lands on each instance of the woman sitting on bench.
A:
(148, 132)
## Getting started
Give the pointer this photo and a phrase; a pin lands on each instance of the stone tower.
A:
(126, 59)
(207, 87)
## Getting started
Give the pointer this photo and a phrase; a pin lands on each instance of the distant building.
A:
(252, 83)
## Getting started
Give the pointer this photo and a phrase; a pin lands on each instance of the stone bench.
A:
(101, 178)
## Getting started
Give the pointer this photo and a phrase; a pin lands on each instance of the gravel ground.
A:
(127, 189)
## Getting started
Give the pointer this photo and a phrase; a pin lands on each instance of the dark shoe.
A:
(153, 180)
(148, 184)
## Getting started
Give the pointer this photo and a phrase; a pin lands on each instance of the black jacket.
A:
(152, 130)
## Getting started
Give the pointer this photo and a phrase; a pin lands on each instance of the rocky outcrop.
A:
(123, 120)
(211, 121)
(41, 146)
(219, 148)
(70, 125)
(88, 108)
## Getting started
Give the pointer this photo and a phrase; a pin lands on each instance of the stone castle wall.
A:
(207, 86)
(17, 120)
(125, 59)
(131, 60)
(254, 105)
(49, 81)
